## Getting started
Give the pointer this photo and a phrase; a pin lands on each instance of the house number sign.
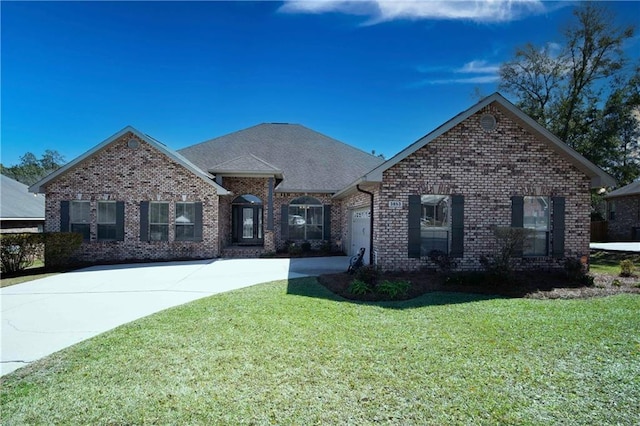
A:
(395, 204)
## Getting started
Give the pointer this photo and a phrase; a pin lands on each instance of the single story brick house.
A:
(623, 207)
(262, 188)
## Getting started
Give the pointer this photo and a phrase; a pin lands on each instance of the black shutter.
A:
(415, 213)
(284, 221)
(517, 218)
(64, 216)
(197, 226)
(144, 221)
(327, 223)
(557, 248)
(119, 220)
(457, 225)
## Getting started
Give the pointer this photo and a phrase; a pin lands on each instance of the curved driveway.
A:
(43, 316)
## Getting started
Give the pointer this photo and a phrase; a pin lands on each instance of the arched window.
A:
(306, 219)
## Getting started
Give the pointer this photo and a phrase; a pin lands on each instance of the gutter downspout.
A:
(370, 223)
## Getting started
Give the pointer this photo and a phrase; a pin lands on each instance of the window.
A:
(107, 220)
(158, 221)
(306, 219)
(185, 221)
(435, 223)
(536, 218)
(80, 218)
(611, 207)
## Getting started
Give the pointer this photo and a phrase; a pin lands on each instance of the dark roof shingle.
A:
(309, 161)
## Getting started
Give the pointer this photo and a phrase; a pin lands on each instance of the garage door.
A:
(360, 232)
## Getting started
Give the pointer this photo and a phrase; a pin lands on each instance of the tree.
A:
(31, 169)
(582, 91)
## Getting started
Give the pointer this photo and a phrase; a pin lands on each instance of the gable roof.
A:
(247, 165)
(599, 177)
(309, 161)
(39, 186)
(17, 203)
(632, 189)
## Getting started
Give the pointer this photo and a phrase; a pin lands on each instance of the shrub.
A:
(626, 268)
(359, 287)
(19, 251)
(442, 260)
(369, 274)
(59, 247)
(510, 241)
(306, 247)
(325, 247)
(294, 249)
(577, 272)
(393, 289)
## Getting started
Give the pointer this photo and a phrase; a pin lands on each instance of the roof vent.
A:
(488, 122)
(133, 143)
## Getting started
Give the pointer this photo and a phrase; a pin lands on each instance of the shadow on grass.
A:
(310, 287)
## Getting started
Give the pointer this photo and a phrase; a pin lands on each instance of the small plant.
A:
(325, 247)
(359, 287)
(616, 283)
(394, 289)
(510, 242)
(306, 247)
(368, 274)
(294, 249)
(577, 272)
(442, 260)
(626, 268)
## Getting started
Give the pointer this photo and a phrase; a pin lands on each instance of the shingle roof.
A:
(17, 203)
(309, 161)
(249, 164)
(632, 189)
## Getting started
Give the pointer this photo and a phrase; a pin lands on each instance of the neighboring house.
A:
(20, 211)
(623, 207)
(273, 184)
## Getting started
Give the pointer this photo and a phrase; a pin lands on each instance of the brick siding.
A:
(120, 173)
(487, 168)
(627, 217)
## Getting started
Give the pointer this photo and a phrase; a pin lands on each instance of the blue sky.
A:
(376, 75)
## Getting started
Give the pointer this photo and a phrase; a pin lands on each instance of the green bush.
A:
(325, 247)
(359, 287)
(626, 268)
(294, 249)
(306, 247)
(59, 247)
(577, 272)
(19, 251)
(393, 289)
(369, 274)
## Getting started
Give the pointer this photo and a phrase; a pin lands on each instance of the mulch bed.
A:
(538, 285)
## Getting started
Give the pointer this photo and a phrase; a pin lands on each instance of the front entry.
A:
(246, 220)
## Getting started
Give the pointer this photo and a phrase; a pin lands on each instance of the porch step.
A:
(242, 252)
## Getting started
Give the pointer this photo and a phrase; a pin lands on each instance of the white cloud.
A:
(386, 10)
(478, 67)
(479, 71)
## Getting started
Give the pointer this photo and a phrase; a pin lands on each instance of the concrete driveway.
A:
(43, 316)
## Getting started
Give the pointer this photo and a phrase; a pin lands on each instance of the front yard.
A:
(291, 352)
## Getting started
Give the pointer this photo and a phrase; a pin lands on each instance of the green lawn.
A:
(292, 353)
(609, 262)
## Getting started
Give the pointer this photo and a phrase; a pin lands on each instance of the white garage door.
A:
(360, 232)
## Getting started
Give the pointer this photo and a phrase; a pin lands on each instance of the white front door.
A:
(361, 232)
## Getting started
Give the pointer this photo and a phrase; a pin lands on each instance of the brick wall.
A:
(627, 217)
(120, 173)
(487, 168)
